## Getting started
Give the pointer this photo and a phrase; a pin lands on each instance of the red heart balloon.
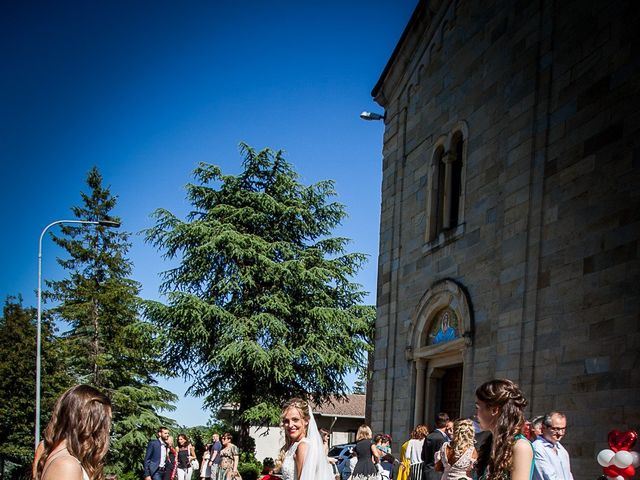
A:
(613, 471)
(622, 440)
(628, 472)
(610, 471)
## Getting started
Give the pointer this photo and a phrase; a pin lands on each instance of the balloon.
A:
(605, 456)
(613, 471)
(628, 472)
(622, 440)
(636, 459)
(622, 459)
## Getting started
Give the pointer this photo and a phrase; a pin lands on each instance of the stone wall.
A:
(549, 248)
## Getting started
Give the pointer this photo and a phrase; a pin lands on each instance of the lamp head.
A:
(109, 223)
(371, 116)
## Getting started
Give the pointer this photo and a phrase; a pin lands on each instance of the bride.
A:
(303, 455)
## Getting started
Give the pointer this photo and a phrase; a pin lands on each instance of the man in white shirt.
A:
(155, 459)
(551, 458)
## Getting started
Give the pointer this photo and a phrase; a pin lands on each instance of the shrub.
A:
(249, 467)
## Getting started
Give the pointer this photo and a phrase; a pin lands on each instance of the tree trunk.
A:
(95, 344)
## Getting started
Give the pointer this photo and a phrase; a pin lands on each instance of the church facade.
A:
(510, 222)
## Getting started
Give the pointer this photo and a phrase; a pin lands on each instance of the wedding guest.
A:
(499, 408)
(76, 440)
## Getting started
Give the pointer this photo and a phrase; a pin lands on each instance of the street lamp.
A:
(371, 116)
(103, 223)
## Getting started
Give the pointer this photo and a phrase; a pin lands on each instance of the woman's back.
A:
(458, 468)
(62, 465)
(364, 469)
(414, 450)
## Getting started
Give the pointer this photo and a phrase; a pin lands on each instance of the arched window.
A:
(441, 173)
(435, 208)
(456, 179)
(445, 204)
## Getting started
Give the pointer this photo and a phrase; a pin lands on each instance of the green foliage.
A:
(108, 344)
(107, 341)
(17, 379)
(249, 467)
(199, 437)
(136, 421)
(261, 303)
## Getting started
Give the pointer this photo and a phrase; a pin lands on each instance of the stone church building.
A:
(510, 223)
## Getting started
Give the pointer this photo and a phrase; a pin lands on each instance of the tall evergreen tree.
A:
(110, 346)
(261, 306)
(17, 379)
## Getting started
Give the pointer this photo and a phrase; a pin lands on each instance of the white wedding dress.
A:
(316, 465)
(289, 463)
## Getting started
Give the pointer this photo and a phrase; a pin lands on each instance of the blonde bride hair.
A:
(303, 407)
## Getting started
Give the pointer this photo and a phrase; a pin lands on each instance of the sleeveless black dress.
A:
(364, 469)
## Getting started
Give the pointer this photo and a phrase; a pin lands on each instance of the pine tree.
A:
(17, 378)
(110, 346)
(261, 306)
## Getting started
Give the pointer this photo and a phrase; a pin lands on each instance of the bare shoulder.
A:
(522, 451)
(302, 448)
(65, 468)
(522, 460)
(523, 447)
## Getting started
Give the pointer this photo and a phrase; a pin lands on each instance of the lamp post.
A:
(103, 223)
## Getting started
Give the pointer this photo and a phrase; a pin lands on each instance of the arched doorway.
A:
(439, 344)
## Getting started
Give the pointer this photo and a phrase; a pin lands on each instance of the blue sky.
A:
(146, 90)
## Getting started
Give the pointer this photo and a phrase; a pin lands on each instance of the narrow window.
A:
(456, 180)
(440, 189)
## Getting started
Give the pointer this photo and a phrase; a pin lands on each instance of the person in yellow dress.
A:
(403, 469)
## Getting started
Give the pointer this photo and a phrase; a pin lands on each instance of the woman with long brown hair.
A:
(499, 408)
(76, 439)
(186, 455)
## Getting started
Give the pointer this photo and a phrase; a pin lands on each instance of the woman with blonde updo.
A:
(302, 457)
(499, 408)
(76, 439)
(456, 458)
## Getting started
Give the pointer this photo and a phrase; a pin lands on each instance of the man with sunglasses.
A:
(551, 458)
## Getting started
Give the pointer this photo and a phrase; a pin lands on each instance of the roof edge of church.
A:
(405, 33)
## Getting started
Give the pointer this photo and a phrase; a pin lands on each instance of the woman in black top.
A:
(186, 453)
(366, 452)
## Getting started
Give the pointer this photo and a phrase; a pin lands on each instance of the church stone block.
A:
(541, 272)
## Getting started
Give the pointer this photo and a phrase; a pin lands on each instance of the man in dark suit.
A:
(431, 445)
(155, 459)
